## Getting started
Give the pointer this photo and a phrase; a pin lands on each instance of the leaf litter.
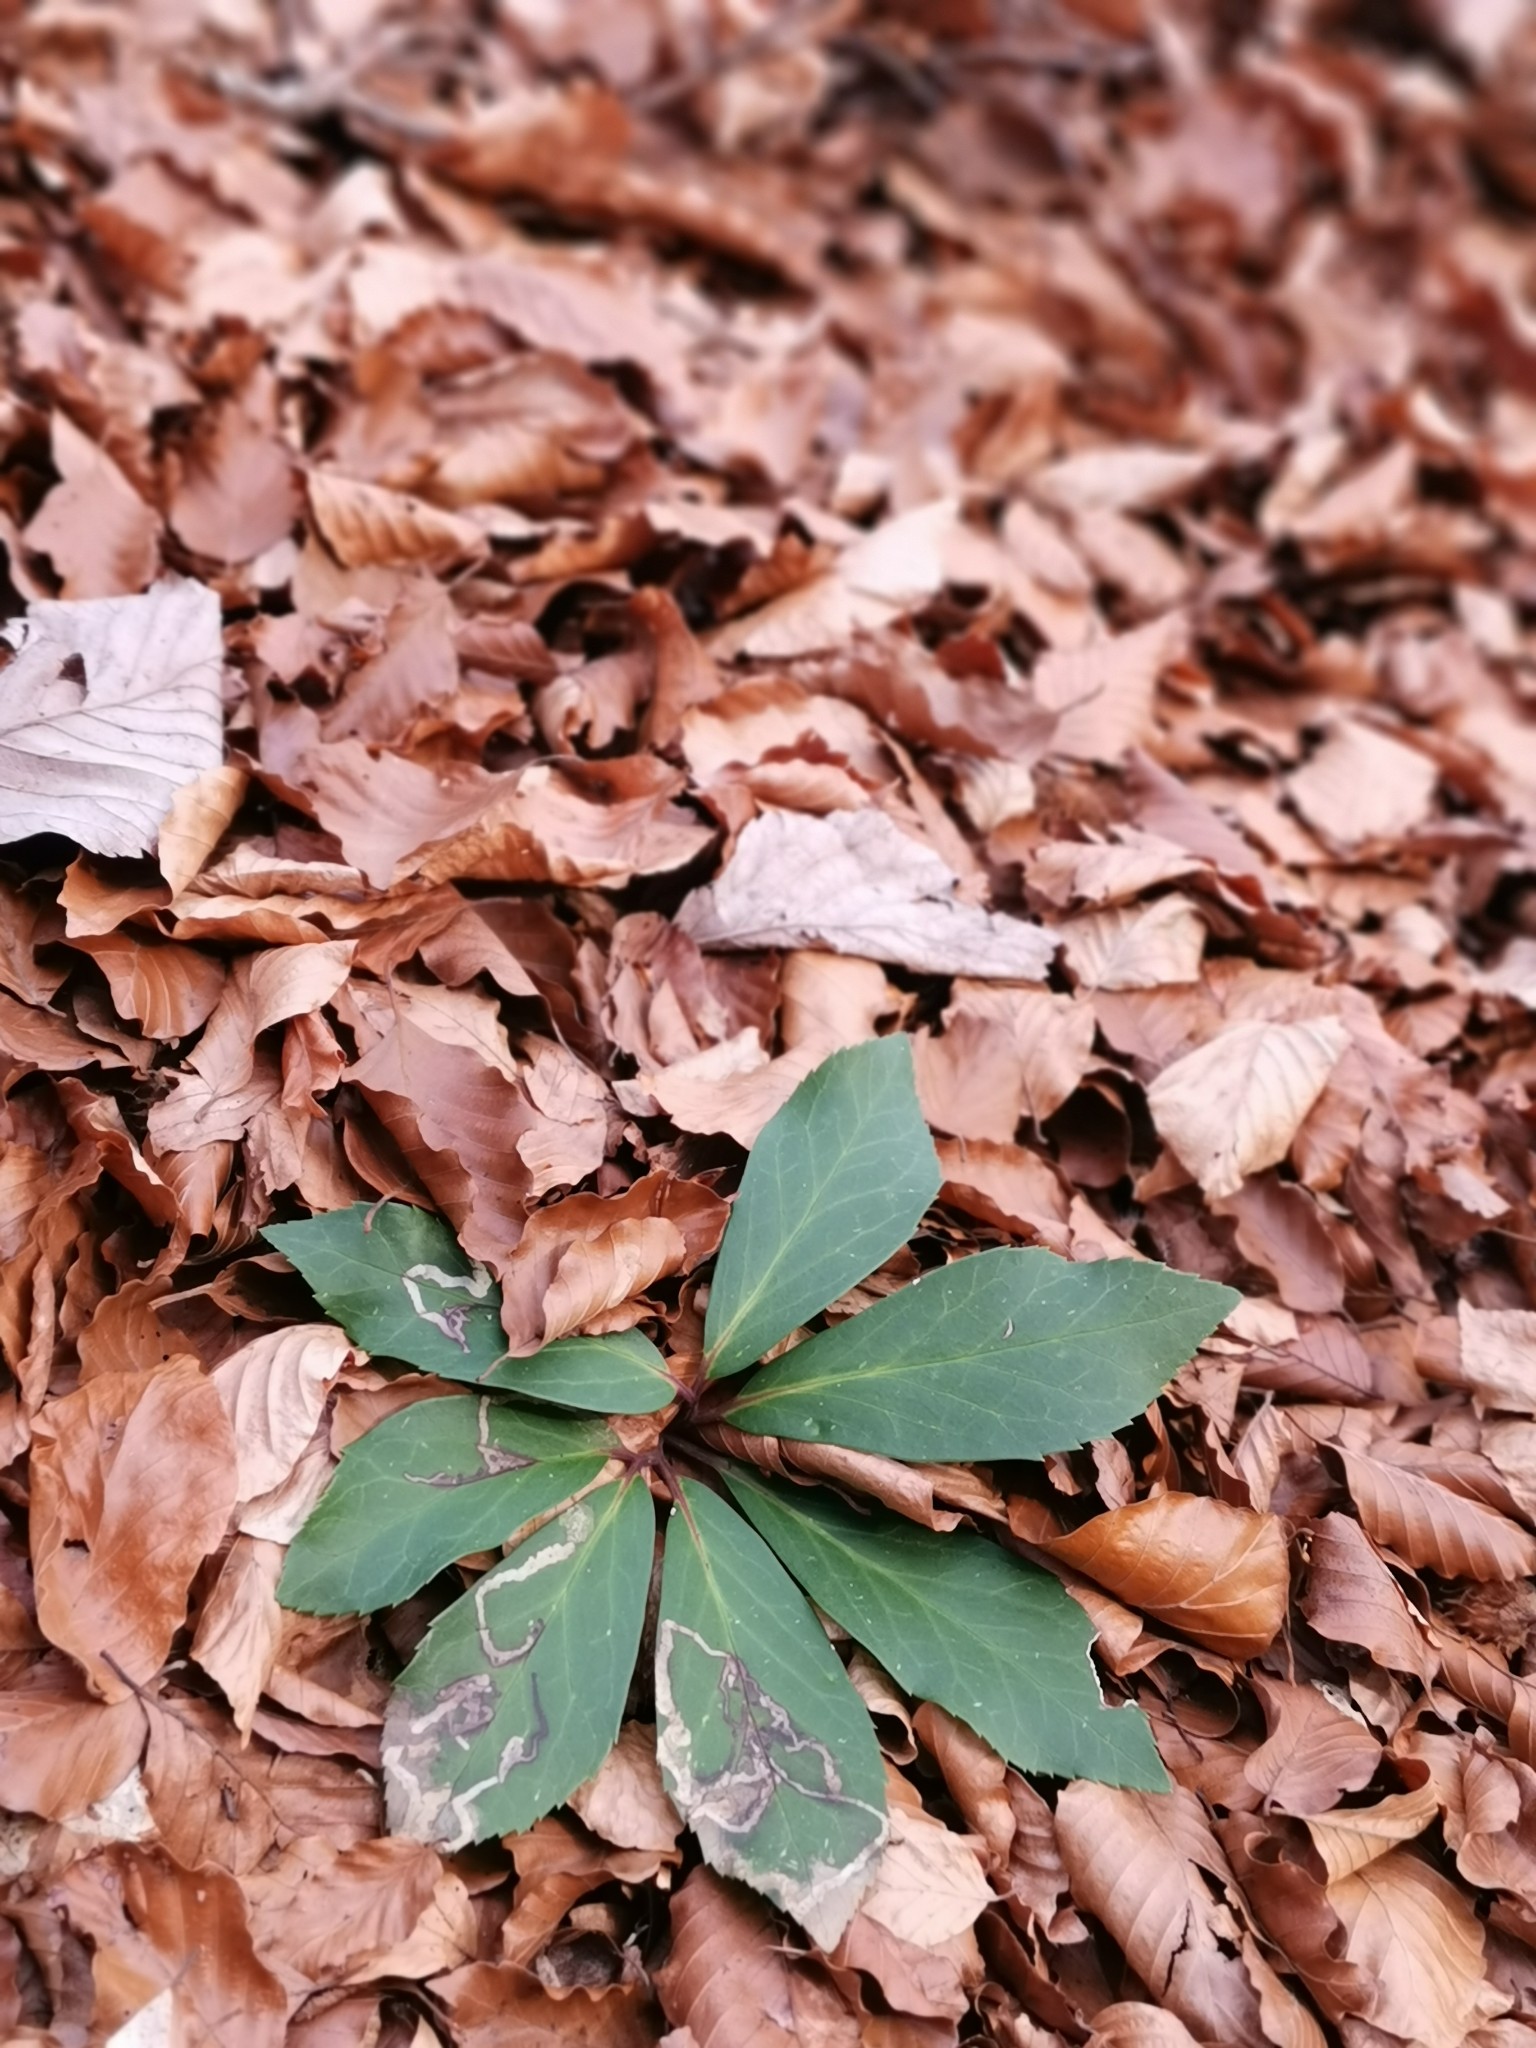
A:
(711, 542)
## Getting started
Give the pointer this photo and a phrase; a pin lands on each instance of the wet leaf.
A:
(440, 1480)
(837, 1181)
(1008, 1354)
(515, 1696)
(766, 1749)
(957, 1620)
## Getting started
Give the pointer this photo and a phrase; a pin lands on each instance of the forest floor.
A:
(718, 532)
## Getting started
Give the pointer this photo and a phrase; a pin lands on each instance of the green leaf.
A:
(396, 1280)
(956, 1620)
(619, 1375)
(435, 1482)
(398, 1283)
(767, 1751)
(837, 1181)
(1008, 1354)
(515, 1696)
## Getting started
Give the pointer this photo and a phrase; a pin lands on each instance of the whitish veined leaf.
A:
(435, 1482)
(766, 1749)
(836, 1182)
(956, 1620)
(398, 1283)
(515, 1696)
(1009, 1354)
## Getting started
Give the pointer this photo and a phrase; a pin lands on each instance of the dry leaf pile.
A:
(735, 529)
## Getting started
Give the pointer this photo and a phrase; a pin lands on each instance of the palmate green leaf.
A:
(767, 1751)
(435, 1482)
(515, 1695)
(1008, 1354)
(837, 1181)
(956, 1620)
(397, 1281)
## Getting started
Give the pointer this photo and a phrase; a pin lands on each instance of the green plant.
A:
(517, 1691)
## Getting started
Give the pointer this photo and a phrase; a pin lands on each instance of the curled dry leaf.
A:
(1215, 1572)
(626, 1803)
(273, 1390)
(1498, 1355)
(1232, 1107)
(1352, 1598)
(133, 1482)
(729, 1981)
(1313, 1751)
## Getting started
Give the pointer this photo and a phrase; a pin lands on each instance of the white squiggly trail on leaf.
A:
(476, 1283)
(725, 1806)
(432, 1811)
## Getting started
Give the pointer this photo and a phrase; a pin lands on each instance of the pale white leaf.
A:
(1232, 1106)
(110, 705)
(855, 883)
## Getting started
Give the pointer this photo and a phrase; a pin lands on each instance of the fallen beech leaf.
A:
(102, 537)
(109, 706)
(1135, 1860)
(1420, 1944)
(241, 1625)
(1005, 1053)
(1350, 1837)
(1135, 945)
(930, 1884)
(1498, 1355)
(729, 1980)
(133, 1482)
(1138, 2026)
(1216, 1572)
(855, 883)
(1362, 785)
(1351, 1597)
(1312, 1753)
(364, 524)
(490, 2005)
(61, 1749)
(318, 1913)
(273, 1390)
(1105, 692)
(1426, 1524)
(155, 1926)
(1232, 1107)
(626, 1803)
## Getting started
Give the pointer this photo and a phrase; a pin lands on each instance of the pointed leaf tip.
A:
(837, 1181)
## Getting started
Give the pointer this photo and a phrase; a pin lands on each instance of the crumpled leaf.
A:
(1215, 1572)
(108, 707)
(856, 883)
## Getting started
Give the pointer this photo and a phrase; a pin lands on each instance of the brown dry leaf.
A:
(728, 1980)
(1425, 1524)
(1215, 1572)
(318, 1914)
(487, 2005)
(111, 706)
(1005, 1053)
(367, 526)
(241, 1625)
(155, 1926)
(856, 883)
(1138, 1862)
(1231, 1107)
(1350, 1837)
(103, 539)
(61, 1749)
(1135, 946)
(1361, 784)
(1498, 1356)
(273, 1390)
(1352, 1598)
(1419, 1943)
(626, 1803)
(1104, 694)
(930, 1883)
(1313, 1751)
(133, 1485)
